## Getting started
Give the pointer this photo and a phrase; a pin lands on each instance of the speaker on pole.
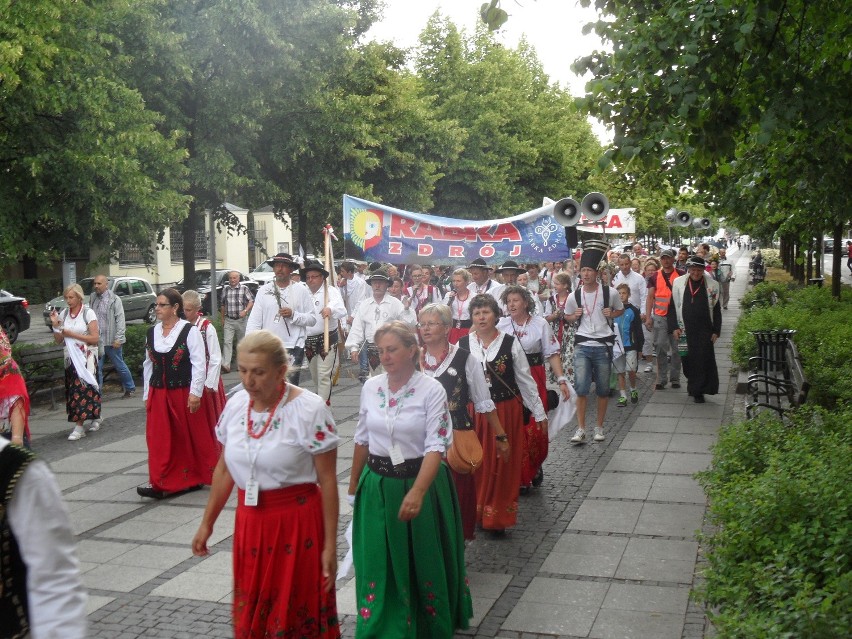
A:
(684, 218)
(595, 206)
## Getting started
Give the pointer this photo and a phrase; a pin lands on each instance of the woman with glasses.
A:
(507, 374)
(461, 375)
(458, 299)
(538, 343)
(182, 447)
(407, 541)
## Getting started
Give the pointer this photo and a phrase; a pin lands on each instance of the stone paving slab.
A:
(606, 516)
(618, 485)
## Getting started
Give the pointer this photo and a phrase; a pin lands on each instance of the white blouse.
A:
(474, 375)
(214, 364)
(78, 324)
(300, 429)
(415, 418)
(163, 344)
(459, 309)
(523, 377)
(535, 336)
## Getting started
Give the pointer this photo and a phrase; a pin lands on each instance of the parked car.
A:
(136, 294)
(202, 285)
(262, 274)
(14, 314)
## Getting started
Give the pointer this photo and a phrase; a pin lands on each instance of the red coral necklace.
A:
(250, 424)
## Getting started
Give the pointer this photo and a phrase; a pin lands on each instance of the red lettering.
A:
(402, 227)
(486, 251)
(614, 222)
(464, 233)
(506, 231)
(395, 248)
(426, 230)
(516, 250)
(424, 249)
(455, 251)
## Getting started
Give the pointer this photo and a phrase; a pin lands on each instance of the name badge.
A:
(396, 455)
(252, 492)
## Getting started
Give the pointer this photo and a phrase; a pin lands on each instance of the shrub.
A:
(779, 563)
(771, 258)
(36, 291)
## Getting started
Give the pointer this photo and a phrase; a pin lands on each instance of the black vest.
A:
(458, 395)
(172, 369)
(14, 613)
(502, 367)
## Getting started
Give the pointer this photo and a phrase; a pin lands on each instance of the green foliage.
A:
(780, 559)
(771, 258)
(36, 291)
(824, 336)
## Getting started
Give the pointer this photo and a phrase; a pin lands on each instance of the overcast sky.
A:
(554, 27)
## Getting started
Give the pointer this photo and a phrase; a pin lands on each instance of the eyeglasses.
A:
(430, 324)
(162, 304)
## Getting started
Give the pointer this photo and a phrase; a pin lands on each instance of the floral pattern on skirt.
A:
(564, 334)
(82, 401)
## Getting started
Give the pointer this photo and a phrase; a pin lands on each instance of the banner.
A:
(618, 221)
(378, 233)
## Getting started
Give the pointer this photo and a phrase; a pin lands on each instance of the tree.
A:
(746, 101)
(82, 160)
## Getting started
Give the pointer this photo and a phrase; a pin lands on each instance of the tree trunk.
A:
(810, 266)
(836, 274)
(30, 268)
(190, 224)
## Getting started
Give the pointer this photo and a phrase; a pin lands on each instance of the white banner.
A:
(617, 221)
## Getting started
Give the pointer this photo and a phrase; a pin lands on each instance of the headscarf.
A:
(12, 383)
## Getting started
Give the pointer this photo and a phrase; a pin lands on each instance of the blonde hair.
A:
(463, 273)
(401, 331)
(76, 289)
(265, 343)
(192, 298)
(441, 310)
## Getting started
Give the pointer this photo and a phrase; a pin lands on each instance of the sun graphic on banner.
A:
(366, 227)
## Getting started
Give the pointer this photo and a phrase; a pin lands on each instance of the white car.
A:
(262, 274)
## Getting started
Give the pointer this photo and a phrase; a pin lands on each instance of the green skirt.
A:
(410, 578)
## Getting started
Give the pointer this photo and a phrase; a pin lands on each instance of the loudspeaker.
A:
(567, 212)
(595, 206)
(684, 218)
(701, 222)
(671, 216)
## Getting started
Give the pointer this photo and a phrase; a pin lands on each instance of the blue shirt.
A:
(623, 322)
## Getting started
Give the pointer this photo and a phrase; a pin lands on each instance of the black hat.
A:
(593, 253)
(312, 265)
(511, 265)
(380, 273)
(480, 263)
(696, 260)
(283, 258)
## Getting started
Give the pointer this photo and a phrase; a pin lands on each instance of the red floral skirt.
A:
(182, 447)
(498, 482)
(466, 491)
(535, 439)
(278, 567)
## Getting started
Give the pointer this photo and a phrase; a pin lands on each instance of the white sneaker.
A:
(77, 433)
(599, 436)
(94, 426)
(649, 368)
(579, 437)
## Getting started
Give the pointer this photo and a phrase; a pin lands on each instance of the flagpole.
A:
(328, 232)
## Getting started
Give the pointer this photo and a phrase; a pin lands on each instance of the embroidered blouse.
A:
(165, 344)
(472, 375)
(535, 336)
(417, 413)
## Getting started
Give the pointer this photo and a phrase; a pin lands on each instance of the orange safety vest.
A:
(662, 295)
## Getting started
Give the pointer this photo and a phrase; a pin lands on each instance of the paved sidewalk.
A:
(604, 549)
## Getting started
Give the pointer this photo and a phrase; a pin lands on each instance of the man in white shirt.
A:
(374, 311)
(353, 289)
(638, 288)
(597, 308)
(322, 363)
(724, 275)
(286, 309)
(482, 283)
(41, 553)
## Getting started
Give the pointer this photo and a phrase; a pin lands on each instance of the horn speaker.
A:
(595, 206)
(567, 212)
(684, 218)
(701, 222)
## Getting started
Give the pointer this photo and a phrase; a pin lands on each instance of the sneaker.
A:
(599, 436)
(634, 396)
(77, 433)
(622, 401)
(579, 437)
(94, 427)
(649, 368)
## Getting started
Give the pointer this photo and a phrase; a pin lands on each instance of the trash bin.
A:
(771, 348)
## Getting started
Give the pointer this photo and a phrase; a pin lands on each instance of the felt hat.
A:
(480, 263)
(511, 266)
(696, 260)
(593, 252)
(380, 273)
(283, 258)
(312, 265)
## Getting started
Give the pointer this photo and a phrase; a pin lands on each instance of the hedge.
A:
(780, 561)
(37, 291)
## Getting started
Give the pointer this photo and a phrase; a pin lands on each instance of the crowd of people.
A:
(478, 354)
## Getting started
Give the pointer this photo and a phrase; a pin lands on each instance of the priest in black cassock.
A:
(699, 315)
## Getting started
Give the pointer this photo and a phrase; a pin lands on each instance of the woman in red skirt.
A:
(182, 449)
(536, 338)
(280, 449)
(458, 299)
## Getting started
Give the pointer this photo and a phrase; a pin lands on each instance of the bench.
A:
(771, 301)
(43, 366)
(777, 384)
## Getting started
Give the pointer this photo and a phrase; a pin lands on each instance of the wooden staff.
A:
(328, 269)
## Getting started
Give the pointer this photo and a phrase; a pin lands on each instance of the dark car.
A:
(14, 314)
(136, 294)
(202, 285)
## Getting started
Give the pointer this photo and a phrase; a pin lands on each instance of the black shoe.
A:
(699, 399)
(524, 491)
(538, 479)
(149, 491)
(496, 533)
(128, 394)
(675, 384)
(660, 386)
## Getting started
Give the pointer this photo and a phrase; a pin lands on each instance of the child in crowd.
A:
(629, 326)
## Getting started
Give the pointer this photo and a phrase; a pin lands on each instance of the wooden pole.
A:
(325, 336)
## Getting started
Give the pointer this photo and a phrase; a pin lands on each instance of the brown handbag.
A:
(465, 453)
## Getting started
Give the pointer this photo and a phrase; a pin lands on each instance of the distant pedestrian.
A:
(629, 326)
(696, 300)
(110, 313)
(724, 275)
(327, 305)
(660, 318)
(237, 302)
(849, 255)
